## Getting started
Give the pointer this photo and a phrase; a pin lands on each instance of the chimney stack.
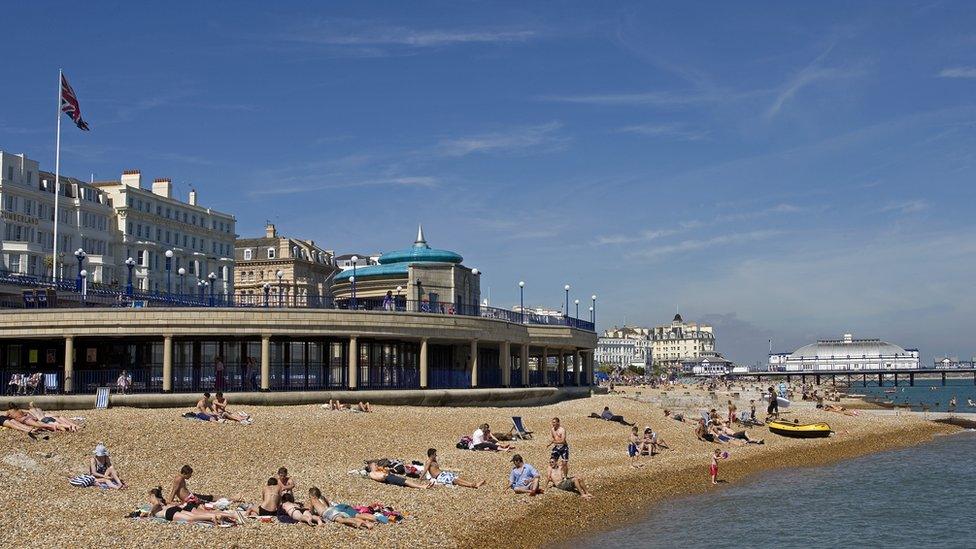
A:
(192, 200)
(163, 187)
(132, 178)
(270, 231)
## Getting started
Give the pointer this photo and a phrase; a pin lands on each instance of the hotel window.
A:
(271, 253)
(247, 254)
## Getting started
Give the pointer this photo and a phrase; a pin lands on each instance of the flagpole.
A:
(57, 183)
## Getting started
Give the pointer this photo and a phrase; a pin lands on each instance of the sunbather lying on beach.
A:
(100, 467)
(337, 406)
(840, 410)
(22, 417)
(340, 513)
(186, 512)
(440, 476)
(62, 422)
(10, 423)
(558, 476)
(735, 438)
(607, 415)
(676, 417)
(298, 512)
(379, 474)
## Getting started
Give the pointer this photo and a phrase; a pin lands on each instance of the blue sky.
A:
(782, 170)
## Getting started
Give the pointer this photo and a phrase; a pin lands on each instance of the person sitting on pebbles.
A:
(179, 492)
(523, 479)
(204, 410)
(270, 500)
(220, 409)
(440, 476)
(100, 467)
(558, 476)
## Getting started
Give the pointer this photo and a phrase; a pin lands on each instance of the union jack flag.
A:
(69, 105)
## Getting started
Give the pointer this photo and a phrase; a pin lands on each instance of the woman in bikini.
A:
(18, 426)
(20, 416)
(296, 511)
(186, 512)
(339, 512)
(100, 467)
(44, 417)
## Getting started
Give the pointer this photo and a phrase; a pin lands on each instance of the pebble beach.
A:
(319, 447)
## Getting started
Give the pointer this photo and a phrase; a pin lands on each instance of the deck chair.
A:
(101, 398)
(518, 429)
(50, 383)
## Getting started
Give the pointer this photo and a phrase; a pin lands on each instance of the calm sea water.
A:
(927, 391)
(917, 497)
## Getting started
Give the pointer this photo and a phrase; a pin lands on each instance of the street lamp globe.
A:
(566, 287)
(83, 273)
(593, 297)
(267, 286)
(280, 274)
(169, 253)
(576, 301)
(181, 271)
(212, 277)
(130, 262)
(399, 289)
(521, 283)
(475, 272)
(355, 259)
(351, 278)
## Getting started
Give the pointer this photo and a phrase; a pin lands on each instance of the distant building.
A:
(623, 347)
(307, 270)
(153, 222)
(345, 261)
(680, 341)
(707, 364)
(847, 354)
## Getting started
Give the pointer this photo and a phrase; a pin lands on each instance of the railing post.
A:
(474, 362)
(265, 362)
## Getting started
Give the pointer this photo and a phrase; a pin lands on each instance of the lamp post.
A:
(399, 291)
(212, 277)
(566, 287)
(169, 272)
(280, 274)
(80, 256)
(267, 290)
(181, 272)
(591, 318)
(352, 283)
(83, 275)
(593, 311)
(130, 263)
(200, 284)
(576, 301)
(522, 299)
(474, 272)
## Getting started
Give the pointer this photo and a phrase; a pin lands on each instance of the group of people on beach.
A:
(525, 479)
(35, 422)
(215, 409)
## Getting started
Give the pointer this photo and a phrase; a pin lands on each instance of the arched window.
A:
(248, 254)
(271, 253)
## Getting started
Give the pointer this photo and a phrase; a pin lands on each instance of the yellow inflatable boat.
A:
(799, 430)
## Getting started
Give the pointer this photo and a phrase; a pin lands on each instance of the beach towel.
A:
(82, 481)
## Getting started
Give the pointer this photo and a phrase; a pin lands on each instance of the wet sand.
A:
(39, 508)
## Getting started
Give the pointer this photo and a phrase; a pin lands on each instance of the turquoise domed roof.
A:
(396, 262)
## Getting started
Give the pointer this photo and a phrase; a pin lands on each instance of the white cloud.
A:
(674, 131)
(906, 207)
(405, 181)
(543, 137)
(361, 33)
(958, 72)
(692, 245)
(810, 74)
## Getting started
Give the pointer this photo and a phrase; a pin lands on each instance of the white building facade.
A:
(846, 354)
(152, 222)
(623, 347)
(679, 342)
(85, 215)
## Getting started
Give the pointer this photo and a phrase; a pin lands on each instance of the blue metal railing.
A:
(443, 378)
(535, 378)
(64, 295)
(569, 378)
(489, 377)
(515, 378)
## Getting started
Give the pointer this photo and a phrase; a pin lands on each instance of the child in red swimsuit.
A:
(713, 468)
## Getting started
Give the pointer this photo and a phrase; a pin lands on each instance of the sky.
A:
(781, 170)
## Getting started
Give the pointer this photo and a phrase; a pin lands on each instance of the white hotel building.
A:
(111, 221)
(623, 347)
(152, 222)
(85, 215)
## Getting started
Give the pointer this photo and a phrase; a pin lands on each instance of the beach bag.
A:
(82, 481)
(464, 443)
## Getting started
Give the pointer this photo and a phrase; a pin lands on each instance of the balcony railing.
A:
(46, 292)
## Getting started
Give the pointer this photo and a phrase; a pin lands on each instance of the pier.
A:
(866, 376)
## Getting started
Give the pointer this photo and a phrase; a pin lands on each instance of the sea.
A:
(929, 393)
(920, 496)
